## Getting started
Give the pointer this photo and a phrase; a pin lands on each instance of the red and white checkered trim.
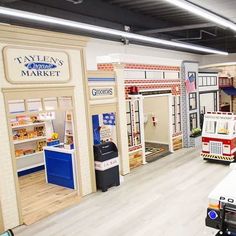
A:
(135, 148)
(177, 134)
(110, 67)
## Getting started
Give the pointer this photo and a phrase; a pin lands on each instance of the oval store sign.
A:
(23, 65)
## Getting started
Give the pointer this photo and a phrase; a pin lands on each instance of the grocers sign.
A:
(25, 65)
(101, 92)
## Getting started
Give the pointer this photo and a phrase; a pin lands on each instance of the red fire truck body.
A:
(219, 136)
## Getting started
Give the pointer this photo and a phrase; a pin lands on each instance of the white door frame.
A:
(170, 122)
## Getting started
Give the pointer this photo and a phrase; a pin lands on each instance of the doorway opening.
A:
(43, 142)
(157, 126)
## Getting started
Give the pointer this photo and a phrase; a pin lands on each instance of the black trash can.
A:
(106, 165)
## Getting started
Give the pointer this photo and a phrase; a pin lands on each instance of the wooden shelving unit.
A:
(29, 155)
(133, 123)
(69, 129)
(28, 150)
(28, 125)
(28, 140)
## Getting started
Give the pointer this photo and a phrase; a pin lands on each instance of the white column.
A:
(122, 124)
(7, 182)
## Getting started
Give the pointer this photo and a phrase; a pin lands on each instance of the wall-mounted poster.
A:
(104, 128)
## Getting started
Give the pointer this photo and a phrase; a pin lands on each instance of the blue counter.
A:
(60, 166)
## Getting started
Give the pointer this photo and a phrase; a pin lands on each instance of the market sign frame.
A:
(28, 65)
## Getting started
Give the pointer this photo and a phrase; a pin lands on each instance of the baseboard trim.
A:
(151, 141)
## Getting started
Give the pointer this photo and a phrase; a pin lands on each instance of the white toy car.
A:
(221, 212)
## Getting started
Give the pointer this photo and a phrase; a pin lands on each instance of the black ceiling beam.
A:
(116, 1)
(127, 3)
(103, 13)
(96, 9)
(216, 39)
(177, 28)
(54, 28)
(59, 13)
(137, 3)
(151, 5)
(8, 1)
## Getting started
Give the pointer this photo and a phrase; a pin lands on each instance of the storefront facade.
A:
(41, 67)
(208, 83)
(199, 92)
(107, 117)
(156, 84)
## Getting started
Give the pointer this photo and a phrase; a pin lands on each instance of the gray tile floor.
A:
(167, 197)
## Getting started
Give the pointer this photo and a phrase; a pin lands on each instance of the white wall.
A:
(227, 71)
(207, 101)
(216, 59)
(7, 182)
(158, 106)
(97, 48)
(59, 125)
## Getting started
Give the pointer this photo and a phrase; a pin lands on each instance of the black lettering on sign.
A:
(102, 92)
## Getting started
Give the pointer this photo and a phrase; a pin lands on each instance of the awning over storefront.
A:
(230, 91)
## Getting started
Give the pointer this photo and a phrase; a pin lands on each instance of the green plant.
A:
(196, 132)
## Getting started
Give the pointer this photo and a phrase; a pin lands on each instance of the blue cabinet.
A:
(60, 167)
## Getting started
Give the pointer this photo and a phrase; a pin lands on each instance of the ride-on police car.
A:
(221, 211)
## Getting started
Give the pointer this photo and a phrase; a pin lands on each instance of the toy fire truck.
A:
(219, 136)
(221, 212)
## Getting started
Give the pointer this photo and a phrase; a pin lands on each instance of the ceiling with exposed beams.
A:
(155, 18)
